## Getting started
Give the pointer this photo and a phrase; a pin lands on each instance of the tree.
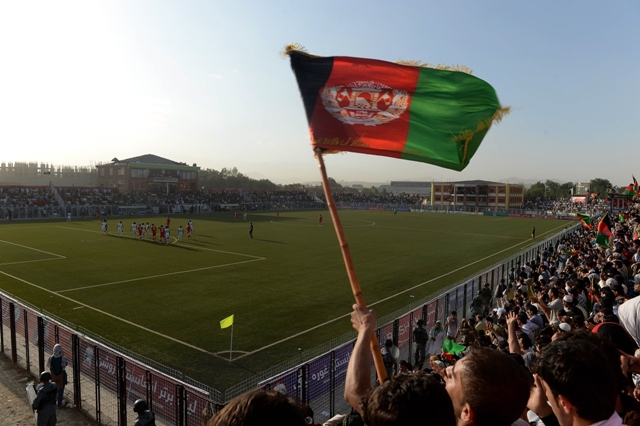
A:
(536, 190)
(600, 186)
(566, 189)
(333, 183)
(226, 178)
(371, 191)
(553, 189)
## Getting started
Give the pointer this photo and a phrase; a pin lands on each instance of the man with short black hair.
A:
(577, 378)
(145, 417)
(408, 400)
(487, 388)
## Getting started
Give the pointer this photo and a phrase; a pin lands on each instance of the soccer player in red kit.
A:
(154, 230)
(162, 234)
(188, 231)
(140, 231)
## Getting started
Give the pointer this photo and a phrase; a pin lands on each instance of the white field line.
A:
(34, 249)
(29, 261)
(160, 275)
(454, 233)
(112, 316)
(386, 298)
(228, 252)
(76, 229)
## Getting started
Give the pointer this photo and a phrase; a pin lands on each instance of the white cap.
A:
(568, 299)
(564, 327)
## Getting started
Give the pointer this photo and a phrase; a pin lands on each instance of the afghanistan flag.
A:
(407, 111)
(585, 219)
(451, 348)
(629, 192)
(635, 185)
(604, 231)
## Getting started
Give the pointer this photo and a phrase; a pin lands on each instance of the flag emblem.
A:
(364, 102)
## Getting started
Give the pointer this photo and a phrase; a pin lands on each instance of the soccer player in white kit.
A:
(134, 228)
(180, 231)
(166, 235)
(104, 227)
(120, 228)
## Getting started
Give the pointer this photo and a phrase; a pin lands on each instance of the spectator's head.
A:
(579, 381)
(408, 400)
(524, 341)
(45, 377)
(488, 388)
(140, 406)
(259, 408)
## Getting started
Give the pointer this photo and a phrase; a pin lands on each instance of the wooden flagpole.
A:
(348, 263)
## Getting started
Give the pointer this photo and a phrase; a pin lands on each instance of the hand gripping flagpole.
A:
(348, 263)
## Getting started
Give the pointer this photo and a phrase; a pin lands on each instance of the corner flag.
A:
(227, 322)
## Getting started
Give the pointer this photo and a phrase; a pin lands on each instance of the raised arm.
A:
(358, 380)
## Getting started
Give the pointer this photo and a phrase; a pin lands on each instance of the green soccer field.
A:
(287, 287)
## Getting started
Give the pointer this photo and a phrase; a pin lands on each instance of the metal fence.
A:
(105, 379)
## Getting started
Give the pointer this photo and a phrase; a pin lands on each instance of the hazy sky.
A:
(204, 82)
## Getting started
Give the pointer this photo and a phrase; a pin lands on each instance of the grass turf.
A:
(166, 302)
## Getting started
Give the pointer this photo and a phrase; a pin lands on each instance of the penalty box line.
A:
(113, 316)
(386, 298)
(57, 256)
(160, 275)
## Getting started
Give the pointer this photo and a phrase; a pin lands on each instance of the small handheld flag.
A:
(585, 219)
(227, 322)
(604, 231)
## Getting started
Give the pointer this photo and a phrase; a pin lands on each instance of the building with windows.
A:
(476, 194)
(148, 172)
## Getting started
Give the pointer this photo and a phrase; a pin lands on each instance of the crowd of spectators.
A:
(26, 196)
(564, 205)
(384, 198)
(555, 343)
(19, 196)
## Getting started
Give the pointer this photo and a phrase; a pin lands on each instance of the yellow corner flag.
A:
(227, 322)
